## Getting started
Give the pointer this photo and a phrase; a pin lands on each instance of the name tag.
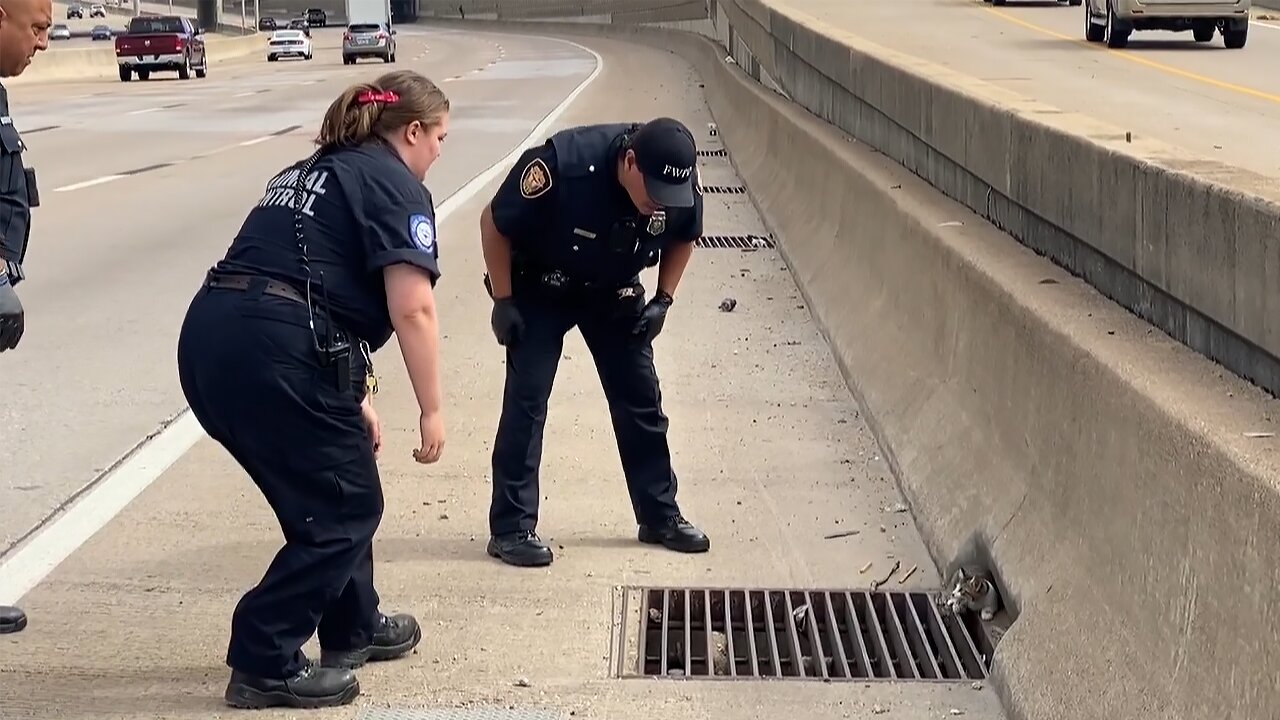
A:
(6, 120)
(584, 233)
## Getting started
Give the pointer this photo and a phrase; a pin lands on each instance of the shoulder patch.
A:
(422, 232)
(535, 180)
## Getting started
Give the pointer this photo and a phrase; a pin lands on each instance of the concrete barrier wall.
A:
(78, 64)
(229, 23)
(1181, 241)
(1103, 468)
(609, 11)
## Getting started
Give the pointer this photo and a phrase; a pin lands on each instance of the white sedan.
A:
(288, 43)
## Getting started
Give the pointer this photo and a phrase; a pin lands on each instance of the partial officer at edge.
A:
(274, 361)
(565, 238)
(24, 31)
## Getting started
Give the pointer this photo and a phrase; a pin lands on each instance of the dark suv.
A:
(316, 17)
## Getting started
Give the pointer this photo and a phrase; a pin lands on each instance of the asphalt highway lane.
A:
(1200, 97)
(772, 452)
(143, 185)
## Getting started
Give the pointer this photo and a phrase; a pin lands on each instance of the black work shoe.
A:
(523, 549)
(677, 534)
(12, 619)
(394, 637)
(312, 687)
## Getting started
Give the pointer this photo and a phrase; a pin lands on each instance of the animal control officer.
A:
(24, 31)
(565, 239)
(345, 240)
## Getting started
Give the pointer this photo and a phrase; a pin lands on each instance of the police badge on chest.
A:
(657, 222)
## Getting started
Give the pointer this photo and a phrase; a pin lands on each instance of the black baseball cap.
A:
(666, 154)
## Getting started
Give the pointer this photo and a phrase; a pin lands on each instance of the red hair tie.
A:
(369, 96)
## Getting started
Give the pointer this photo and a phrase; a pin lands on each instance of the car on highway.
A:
(300, 24)
(154, 43)
(1114, 21)
(288, 43)
(75, 12)
(368, 40)
(316, 17)
(267, 23)
(97, 10)
(100, 32)
(59, 32)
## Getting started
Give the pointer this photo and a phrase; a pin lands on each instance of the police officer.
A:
(338, 254)
(24, 31)
(565, 239)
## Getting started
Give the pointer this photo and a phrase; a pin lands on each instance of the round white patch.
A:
(422, 232)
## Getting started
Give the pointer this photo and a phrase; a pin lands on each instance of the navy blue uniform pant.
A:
(253, 379)
(630, 382)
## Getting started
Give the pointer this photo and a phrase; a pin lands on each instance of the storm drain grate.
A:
(724, 189)
(718, 152)
(469, 713)
(741, 242)
(796, 634)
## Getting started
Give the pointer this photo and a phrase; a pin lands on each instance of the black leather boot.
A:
(677, 534)
(395, 637)
(12, 619)
(313, 687)
(523, 549)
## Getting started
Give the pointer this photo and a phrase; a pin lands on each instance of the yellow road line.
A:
(1169, 69)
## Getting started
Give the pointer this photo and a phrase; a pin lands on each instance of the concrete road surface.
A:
(144, 185)
(1217, 103)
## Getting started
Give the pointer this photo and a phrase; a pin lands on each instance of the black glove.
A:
(651, 318)
(506, 321)
(11, 316)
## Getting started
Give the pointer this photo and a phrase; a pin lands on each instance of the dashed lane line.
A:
(63, 531)
(138, 171)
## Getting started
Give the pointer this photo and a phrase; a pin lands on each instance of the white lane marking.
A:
(112, 492)
(255, 141)
(246, 94)
(143, 111)
(88, 183)
(96, 508)
(1259, 23)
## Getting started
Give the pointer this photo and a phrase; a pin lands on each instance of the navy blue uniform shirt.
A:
(363, 209)
(16, 197)
(562, 208)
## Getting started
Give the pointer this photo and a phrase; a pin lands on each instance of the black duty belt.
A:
(247, 282)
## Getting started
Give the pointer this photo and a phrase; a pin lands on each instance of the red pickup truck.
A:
(161, 42)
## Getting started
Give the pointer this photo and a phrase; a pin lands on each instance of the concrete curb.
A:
(80, 64)
(1102, 468)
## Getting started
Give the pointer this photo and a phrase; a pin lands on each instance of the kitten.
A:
(973, 589)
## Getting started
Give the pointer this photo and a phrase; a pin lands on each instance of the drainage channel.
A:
(797, 634)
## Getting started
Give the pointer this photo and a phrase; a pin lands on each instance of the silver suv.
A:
(368, 40)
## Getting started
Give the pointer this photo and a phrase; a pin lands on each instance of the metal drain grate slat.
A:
(718, 152)
(724, 189)
(794, 634)
(738, 242)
